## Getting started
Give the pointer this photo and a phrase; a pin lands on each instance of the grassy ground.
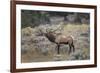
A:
(39, 49)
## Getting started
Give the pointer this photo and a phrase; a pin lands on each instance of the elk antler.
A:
(60, 27)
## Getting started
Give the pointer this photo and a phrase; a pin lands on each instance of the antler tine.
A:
(46, 30)
(56, 29)
(60, 27)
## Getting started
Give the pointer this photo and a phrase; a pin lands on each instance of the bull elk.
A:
(59, 39)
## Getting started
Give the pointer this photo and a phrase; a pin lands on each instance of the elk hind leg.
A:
(69, 49)
(73, 47)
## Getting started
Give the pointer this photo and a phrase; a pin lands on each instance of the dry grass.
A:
(40, 49)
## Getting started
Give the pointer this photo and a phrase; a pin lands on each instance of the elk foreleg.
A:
(58, 48)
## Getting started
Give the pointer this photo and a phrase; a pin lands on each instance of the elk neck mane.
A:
(51, 37)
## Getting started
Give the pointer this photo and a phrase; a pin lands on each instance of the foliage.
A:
(35, 18)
